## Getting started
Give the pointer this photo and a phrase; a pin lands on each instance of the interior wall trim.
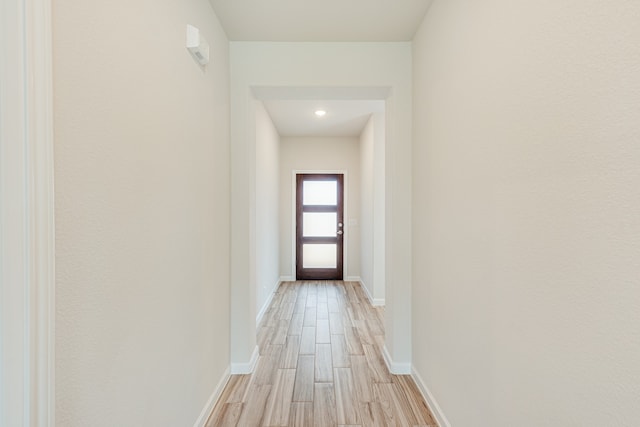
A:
(246, 368)
(267, 303)
(376, 302)
(436, 410)
(394, 367)
(27, 253)
(213, 399)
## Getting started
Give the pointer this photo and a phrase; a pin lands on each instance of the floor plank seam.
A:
(321, 364)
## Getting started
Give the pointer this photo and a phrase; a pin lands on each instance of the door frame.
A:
(320, 273)
(27, 258)
(345, 245)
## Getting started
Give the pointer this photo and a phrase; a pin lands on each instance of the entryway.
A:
(319, 226)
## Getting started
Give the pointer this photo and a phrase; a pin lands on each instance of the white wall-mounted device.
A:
(197, 45)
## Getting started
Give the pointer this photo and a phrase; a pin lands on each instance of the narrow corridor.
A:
(321, 364)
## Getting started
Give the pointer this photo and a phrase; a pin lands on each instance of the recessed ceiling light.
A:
(320, 113)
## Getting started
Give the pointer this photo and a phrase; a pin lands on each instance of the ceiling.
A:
(320, 21)
(343, 118)
(292, 109)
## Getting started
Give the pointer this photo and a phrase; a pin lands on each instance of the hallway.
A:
(148, 213)
(321, 364)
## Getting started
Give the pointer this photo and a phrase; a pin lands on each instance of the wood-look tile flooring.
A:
(321, 364)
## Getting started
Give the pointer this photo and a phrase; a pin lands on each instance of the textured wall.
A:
(142, 213)
(366, 205)
(267, 207)
(372, 210)
(527, 211)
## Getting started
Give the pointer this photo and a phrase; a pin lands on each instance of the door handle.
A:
(339, 232)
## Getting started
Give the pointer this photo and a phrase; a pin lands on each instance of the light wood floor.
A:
(321, 365)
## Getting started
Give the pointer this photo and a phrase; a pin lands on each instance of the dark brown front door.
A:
(319, 226)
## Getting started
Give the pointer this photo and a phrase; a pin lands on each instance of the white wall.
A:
(323, 65)
(372, 212)
(306, 154)
(366, 206)
(267, 207)
(527, 212)
(142, 213)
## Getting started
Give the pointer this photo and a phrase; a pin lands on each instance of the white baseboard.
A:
(246, 368)
(431, 401)
(211, 403)
(378, 302)
(287, 278)
(267, 303)
(395, 368)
